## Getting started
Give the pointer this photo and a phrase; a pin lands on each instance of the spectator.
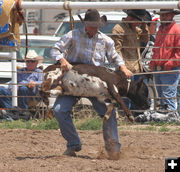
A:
(87, 45)
(127, 37)
(28, 79)
(167, 57)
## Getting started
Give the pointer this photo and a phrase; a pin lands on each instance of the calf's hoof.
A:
(131, 118)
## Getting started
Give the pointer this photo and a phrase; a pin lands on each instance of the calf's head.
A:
(138, 93)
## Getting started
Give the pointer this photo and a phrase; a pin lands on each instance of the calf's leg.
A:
(110, 108)
(114, 93)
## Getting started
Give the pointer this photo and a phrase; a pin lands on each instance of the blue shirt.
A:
(24, 77)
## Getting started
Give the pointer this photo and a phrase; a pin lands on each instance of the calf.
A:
(86, 80)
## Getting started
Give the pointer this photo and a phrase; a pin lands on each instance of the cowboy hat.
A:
(164, 11)
(92, 18)
(136, 13)
(32, 55)
(149, 17)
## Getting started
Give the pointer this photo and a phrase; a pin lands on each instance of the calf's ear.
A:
(140, 82)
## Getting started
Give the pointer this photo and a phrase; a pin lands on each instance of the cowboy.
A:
(28, 80)
(89, 46)
(127, 36)
(167, 57)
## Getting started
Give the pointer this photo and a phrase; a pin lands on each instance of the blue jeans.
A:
(178, 97)
(6, 102)
(164, 92)
(62, 109)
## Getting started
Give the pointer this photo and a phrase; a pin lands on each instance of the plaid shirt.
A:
(77, 47)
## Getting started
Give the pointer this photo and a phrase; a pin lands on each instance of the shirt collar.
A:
(167, 27)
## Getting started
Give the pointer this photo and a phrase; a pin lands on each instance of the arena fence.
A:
(69, 7)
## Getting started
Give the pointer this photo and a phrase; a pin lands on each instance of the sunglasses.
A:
(31, 61)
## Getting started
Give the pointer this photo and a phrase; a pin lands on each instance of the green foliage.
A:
(84, 124)
(31, 124)
(153, 123)
(89, 124)
(164, 129)
(148, 128)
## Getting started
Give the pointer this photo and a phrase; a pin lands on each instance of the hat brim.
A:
(38, 58)
(136, 17)
(165, 12)
(132, 14)
(101, 23)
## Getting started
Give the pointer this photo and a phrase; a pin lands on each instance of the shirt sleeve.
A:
(175, 62)
(112, 55)
(58, 51)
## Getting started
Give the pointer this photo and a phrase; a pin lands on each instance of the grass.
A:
(89, 123)
(84, 124)
(164, 129)
(31, 124)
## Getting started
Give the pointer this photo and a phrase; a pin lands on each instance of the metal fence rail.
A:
(67, 5)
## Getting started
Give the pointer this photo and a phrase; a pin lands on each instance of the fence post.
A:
(14, 78)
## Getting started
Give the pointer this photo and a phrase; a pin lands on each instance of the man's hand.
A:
(126, 71)
(65, 65)
(32, 84)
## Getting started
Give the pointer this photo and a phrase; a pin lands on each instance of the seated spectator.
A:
(28, 79)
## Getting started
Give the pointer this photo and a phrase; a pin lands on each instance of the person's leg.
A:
(23, 99)
(110, 131)
(62, 109)
(157, 82)
(5, 102)
(170, 90)
(178, 97)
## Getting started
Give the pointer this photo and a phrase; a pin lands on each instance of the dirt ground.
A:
(35, 151)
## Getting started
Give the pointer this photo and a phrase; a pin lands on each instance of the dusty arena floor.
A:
(41, 151)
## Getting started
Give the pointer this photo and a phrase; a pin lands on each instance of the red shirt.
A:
(167, 46)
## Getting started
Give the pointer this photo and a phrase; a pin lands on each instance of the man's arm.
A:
(61, 46)
(117, 36)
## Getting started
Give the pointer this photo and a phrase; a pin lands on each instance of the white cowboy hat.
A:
(32, 55)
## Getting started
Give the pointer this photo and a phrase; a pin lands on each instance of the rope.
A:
(67, 7)
(178, 5)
